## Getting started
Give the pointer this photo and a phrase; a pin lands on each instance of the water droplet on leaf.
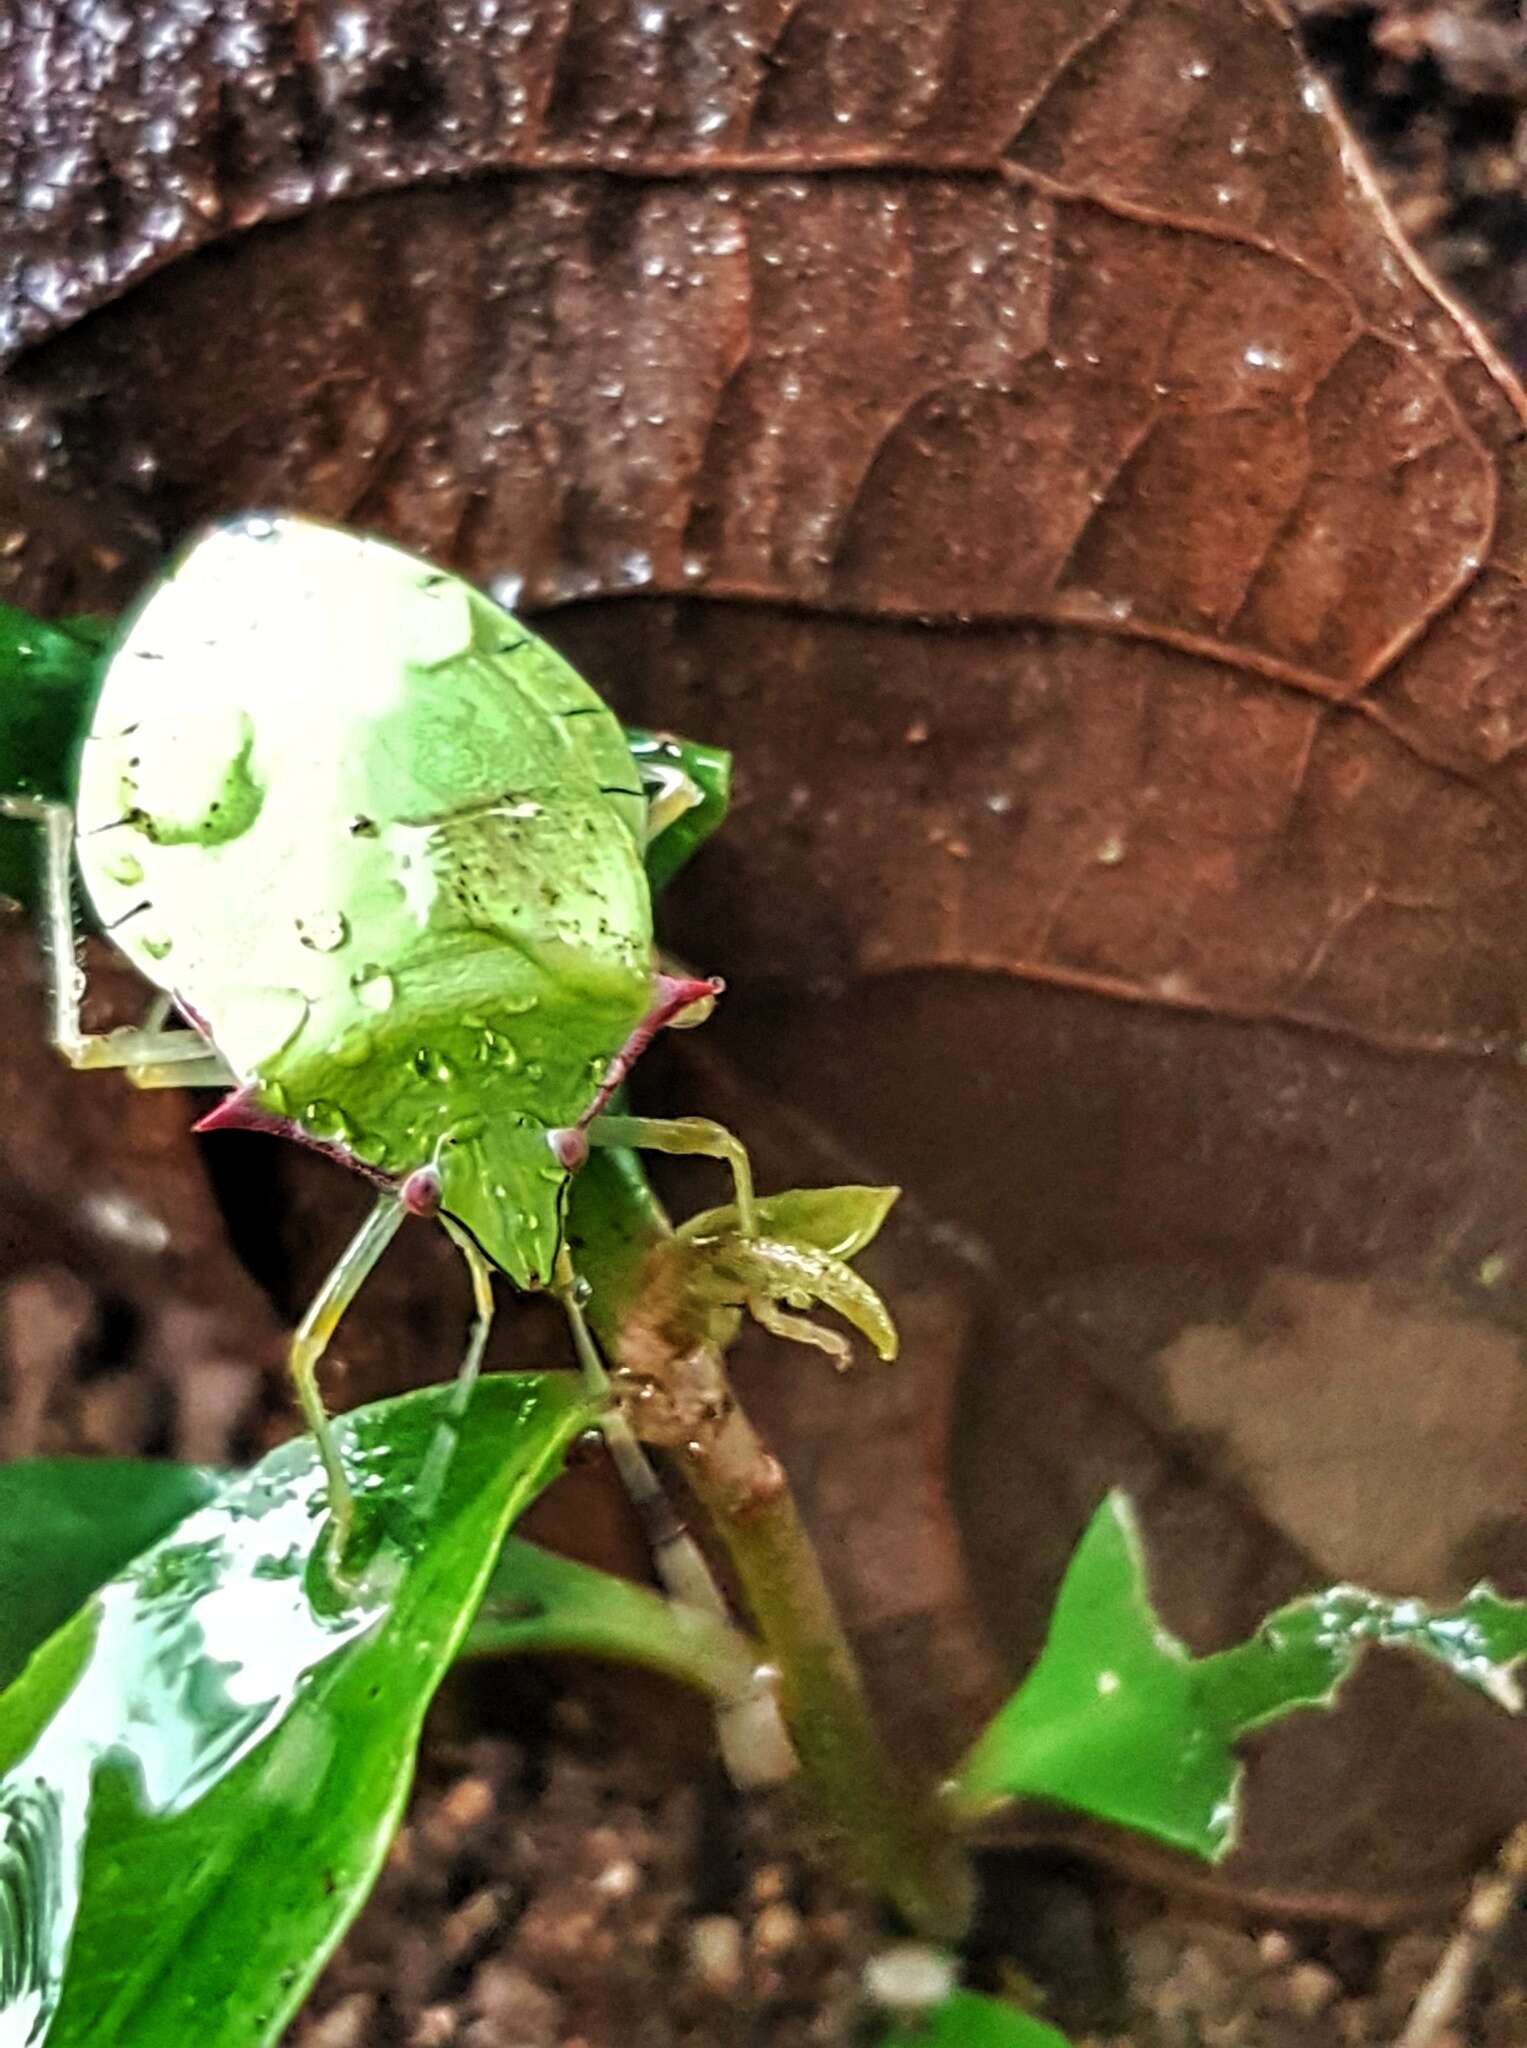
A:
(374, 987)
(323, 931)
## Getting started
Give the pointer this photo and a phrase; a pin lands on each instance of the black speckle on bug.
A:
(616, 789)
(513, 646)
(363, 828)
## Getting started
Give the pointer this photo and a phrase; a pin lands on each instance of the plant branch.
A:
(890, 1831)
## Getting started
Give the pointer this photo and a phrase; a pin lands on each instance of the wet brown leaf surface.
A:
(1016, 433)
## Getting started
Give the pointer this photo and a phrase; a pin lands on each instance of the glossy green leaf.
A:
(966, 2019)
(538, 1604)
(47, 677)
(67, 1525)
(709, 770)
(839, 1222)
(1119, 1720)
(202, 1770)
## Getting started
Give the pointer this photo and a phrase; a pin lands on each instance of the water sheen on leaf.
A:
(967, 2020)
(200, 1773)
(69, 1524)
(1119, 1720)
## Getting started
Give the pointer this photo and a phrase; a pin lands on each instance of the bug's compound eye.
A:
(420, 1193)
(570, 1147)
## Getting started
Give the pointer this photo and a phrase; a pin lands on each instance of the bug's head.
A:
(507, 1183)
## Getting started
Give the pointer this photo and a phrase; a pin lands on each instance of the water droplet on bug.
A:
(432, 1066)
(494, 1050)
(156, 944)
(326, 1120)
(374, 987)
(369, 1148)
(517, 1006)
(323, 931)
(534, 1071)
(125, 869)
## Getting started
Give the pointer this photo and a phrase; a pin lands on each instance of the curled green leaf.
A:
(1119, 1720)
(838, 1221)
(771, 1279)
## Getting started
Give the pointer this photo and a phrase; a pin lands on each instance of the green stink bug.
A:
(384, 851)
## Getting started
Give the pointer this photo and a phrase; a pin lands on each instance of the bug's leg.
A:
(181, 1070)
(749, 1726)
(149, 1047)
(687, 1134)
(345, 1281)
(438, 1457)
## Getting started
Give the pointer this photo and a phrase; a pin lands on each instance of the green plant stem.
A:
(886, 1827)
(888, 1831)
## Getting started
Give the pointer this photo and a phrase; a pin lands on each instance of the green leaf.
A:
(542, 1605)
(837, 1221)
(727, 1272)
(965, 2019)
(48, 676)
(709, 771)
(799, 1256)
(202, 1770)
(1119, 1720)
(67, 1525)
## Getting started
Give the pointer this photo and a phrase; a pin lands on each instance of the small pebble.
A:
(519, 2009)
(715, 1953)
(618, 1879)
(347, 2025)
(908, 1977)
(1311, 1989)
(470, 1925)
(776, 1930)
